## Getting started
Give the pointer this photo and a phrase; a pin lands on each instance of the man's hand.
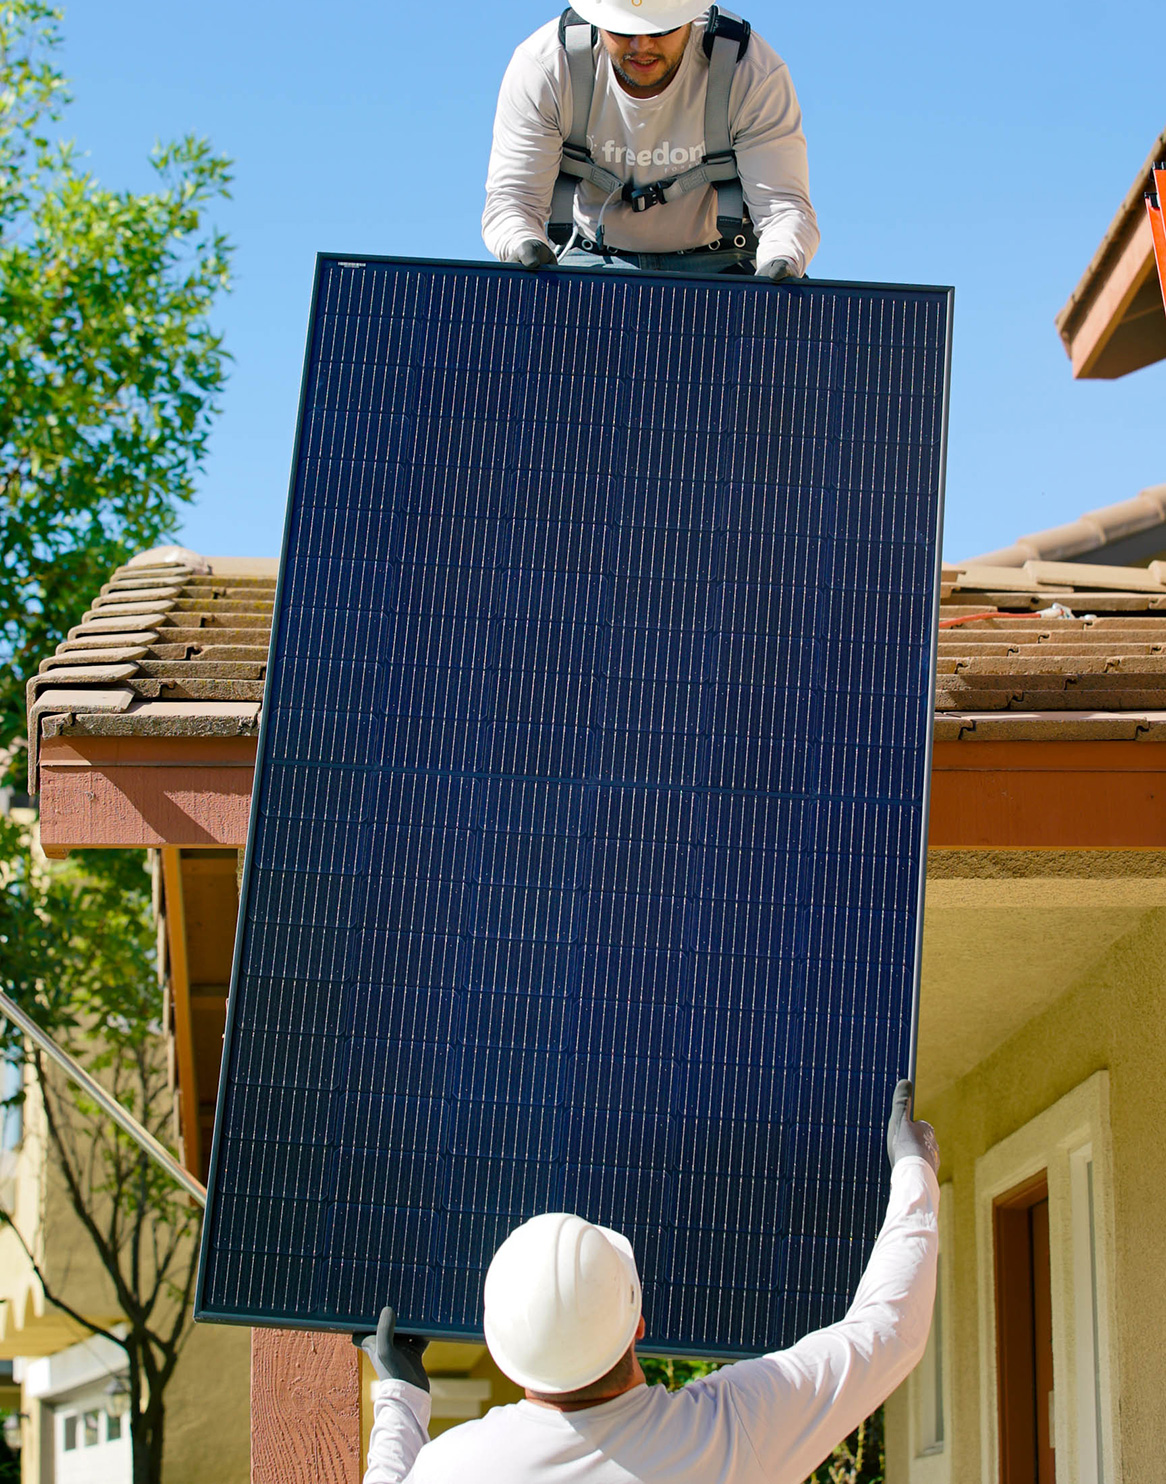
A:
(393, 1359)
(777, 270)
(534, 255)
(906, 1137)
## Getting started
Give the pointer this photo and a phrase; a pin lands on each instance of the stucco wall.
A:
(1113, 1018)
(45, 1218)
(208, 1413)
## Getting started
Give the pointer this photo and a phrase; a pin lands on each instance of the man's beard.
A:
(636, 82)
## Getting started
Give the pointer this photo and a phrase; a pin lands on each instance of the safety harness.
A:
(726, 40)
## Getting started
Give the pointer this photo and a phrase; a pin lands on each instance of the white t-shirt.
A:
(765, 1421)
(644, 140)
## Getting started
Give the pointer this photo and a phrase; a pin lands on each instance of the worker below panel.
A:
(650, 134)
(562, 1317)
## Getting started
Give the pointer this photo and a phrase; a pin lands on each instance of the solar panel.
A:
(587, 844)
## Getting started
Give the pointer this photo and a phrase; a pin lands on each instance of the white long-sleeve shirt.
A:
(765, 1421)
(645, 140)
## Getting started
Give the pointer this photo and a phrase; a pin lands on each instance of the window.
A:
(929, 1386)
(1087, 1307)
(92, 1445)
(931, 1409)
(11, 1112)
(1044, 1235)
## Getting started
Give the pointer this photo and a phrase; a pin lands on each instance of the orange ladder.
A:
(1156, 207)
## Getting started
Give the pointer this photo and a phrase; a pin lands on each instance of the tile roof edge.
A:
(1123, 223)
(166, 556)
(146, 719)
(243, 566)
(1072, 538)
(1050, 726)
(65, 700)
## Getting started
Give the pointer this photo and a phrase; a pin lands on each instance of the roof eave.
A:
(1113, 321)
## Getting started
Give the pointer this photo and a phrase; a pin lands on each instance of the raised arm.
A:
(796, 1404)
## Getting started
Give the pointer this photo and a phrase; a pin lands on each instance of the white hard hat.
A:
(639, 17)
(562, 1302)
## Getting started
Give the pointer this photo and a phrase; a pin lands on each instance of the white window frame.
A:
(929, 1464)
(1063, 1141)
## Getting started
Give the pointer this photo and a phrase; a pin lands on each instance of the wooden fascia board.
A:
(182, 1020)
(145, 792)
(1048, 795)
(142, 792)
(1113, 297)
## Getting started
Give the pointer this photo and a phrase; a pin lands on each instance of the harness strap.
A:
(726, 40)
(712, 170)
(580, 166)
(578, 40)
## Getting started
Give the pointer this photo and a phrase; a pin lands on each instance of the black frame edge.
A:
(929, 741)
(742, 280)
(201, 1312)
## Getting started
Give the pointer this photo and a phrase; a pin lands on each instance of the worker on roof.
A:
(562, 1317)
(656, 134)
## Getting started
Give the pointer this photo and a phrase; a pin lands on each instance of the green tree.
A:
(109, 367)
(110, 372)
(9, 1462)
(674, 1371)
(859, 1459)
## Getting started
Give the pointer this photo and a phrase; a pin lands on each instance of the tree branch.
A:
(126, 1297)
(181, 1316)
(178, 1233)
(139, 1220)
(50, 1296)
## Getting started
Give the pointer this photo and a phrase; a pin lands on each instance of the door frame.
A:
(1058, 1141)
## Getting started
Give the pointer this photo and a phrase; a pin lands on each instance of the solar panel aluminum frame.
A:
(203, 1310)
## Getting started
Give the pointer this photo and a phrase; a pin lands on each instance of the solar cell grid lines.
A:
(588, 832)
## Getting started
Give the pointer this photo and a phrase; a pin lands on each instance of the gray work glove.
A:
(394, 1359)
(777, 270)
(905, 1137)
(534, 255)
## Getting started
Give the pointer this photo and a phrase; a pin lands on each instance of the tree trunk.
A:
(147, 1438)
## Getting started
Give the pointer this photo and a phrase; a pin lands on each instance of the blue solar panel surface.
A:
(588, 835)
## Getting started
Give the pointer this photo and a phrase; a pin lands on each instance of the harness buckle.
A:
(640, 198)
(722, 157)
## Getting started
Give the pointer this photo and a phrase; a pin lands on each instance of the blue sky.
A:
(985, 146)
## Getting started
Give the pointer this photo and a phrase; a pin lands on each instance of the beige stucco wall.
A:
(208, 1412)
(1113, 1017)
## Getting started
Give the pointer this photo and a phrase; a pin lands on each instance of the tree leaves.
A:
(77, 948)
(110, 369)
